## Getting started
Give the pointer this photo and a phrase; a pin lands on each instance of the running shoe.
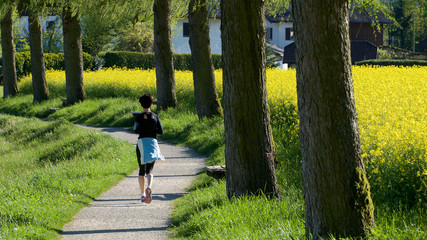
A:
(148, 197)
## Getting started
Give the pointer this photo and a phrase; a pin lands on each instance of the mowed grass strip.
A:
(50, 170)
(104, 112)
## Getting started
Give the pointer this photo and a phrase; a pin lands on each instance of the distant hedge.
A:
(392, 62)
(52, 61)
(146, 60)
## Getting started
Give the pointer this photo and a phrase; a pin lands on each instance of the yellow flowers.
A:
(392, 108)
(391, 103)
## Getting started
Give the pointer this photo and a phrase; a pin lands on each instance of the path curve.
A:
(119, 214)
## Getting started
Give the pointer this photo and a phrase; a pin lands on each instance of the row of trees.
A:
(411, 22)
(110, 13)
(73, 55)
(336, 190)
(133, 31)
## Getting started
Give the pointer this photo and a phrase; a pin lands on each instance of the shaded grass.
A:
(112, 112)
(50, 170)
(22, 105)
(206, 137)
(106, 112)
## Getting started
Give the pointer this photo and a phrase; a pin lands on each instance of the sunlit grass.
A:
(49, 170)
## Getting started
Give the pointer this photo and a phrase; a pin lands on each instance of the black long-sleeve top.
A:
(147, 124)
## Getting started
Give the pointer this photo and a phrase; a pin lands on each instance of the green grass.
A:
(50, 170)
(206, 137)
(93, 112)
(204, 213)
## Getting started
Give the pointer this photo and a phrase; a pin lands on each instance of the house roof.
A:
(355, 17)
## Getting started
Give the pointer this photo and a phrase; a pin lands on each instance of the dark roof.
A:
(360, 50)
(356, 17)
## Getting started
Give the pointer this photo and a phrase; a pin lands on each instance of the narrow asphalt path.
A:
(119, 214)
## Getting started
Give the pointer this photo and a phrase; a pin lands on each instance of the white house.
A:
(278, 33)
(51, 23)
(48, 22)
(180, 36)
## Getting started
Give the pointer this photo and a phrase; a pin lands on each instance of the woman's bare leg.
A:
(141, 180)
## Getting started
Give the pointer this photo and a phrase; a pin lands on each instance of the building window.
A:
(185, 30)
(269, 34)
(289, 34)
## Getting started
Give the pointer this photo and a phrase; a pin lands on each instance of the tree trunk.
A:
(10, 81)
(249, 152)
(73, 58)
(40, 89)
(207, 102)
(166, 93)
(336, 190)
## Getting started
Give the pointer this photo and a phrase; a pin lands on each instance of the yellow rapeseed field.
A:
(391, 103)
(392, 108)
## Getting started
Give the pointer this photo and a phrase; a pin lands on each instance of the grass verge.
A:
(206, 212)
(42, 181)
(113, 112)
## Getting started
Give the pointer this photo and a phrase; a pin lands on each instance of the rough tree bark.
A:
(336, 190)
(73, 57)
(165, 77)
(207, 102)
(10, 81)
(40, 89)
(249, 151)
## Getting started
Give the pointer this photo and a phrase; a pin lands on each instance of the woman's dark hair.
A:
(146, 100)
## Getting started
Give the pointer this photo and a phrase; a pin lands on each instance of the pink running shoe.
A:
(148, 197)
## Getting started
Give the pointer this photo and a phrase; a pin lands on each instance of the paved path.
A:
(119, 214)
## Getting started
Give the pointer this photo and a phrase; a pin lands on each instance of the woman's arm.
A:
(136, 127)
